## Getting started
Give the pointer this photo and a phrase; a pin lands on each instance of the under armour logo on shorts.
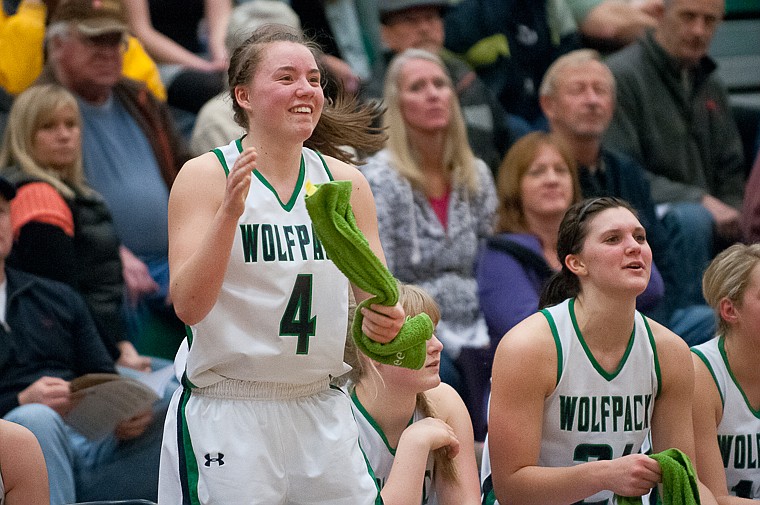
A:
(219, 459)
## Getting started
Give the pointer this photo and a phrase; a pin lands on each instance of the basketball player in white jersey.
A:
(256, 421)
(23, 476)
(727, 392)
(578, 388)
(415, 431)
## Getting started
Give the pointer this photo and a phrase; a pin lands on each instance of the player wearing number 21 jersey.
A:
(593, 414)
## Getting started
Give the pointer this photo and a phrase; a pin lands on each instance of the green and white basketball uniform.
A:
(380, 454)
(256, 421)
(739, 428)
(281, 315)
(593, 414)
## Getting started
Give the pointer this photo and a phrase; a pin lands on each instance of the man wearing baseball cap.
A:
(419, 24)
(131, 149)
(93, 17)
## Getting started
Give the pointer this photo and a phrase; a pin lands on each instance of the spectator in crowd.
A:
(673, 117)
(578, 98)
(62, 229)
(726, 402)
(750, 220)
(537, 184)
(21, 50)
(131, 151)
(414, 430)
(510, 45)
(21, 41)
(191, 68)
(589, 344)
(419, 23)
(215, 125)
(49, 339)
(23, 476)
(435, 201)
(612, 24)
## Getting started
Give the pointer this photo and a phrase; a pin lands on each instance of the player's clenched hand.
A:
(633, 475)
(435, 433)
(238, 183)
(134, 426)
(382, 323)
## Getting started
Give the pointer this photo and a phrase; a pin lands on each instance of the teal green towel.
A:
(329, 206)
(679, 481)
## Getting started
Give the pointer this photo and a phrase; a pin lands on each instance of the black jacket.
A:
(89, 261)
(48, 332)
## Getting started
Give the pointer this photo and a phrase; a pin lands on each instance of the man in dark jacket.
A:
(578, 99)
(673, 116)
(511, 43)
(48, 338)
(131, 150)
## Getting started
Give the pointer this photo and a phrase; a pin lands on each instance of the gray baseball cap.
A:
(388, 7)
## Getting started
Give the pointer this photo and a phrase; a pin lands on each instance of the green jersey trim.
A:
(657, 371)
(712, 372)
(722, 349)
(287, 207)
(324, 163)
(374, 424)
(220, 156)
(187, 457)
(557, 342)
(604, 373)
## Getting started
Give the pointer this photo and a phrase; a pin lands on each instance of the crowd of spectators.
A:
(500, 115)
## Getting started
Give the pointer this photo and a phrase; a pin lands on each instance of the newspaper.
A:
(103, 400)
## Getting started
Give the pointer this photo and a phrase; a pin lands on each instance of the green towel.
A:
(679, 482)
(329, 206)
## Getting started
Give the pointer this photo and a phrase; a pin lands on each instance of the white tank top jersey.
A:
(739, 428)
(281, 315)
(380, 454)
(593, 414)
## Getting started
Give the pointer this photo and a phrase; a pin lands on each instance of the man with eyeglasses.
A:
(131, 150)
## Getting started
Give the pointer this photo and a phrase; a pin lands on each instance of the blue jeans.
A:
(80, 469)
(695, 324)
(691, 229)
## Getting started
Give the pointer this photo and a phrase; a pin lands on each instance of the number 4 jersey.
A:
(281, 315)
(739, 428)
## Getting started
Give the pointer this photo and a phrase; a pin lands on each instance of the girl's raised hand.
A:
(238, 182)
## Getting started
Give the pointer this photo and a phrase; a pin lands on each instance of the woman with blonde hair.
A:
(415, 430)
(727, 390)
(62, 228)
(435, 201)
